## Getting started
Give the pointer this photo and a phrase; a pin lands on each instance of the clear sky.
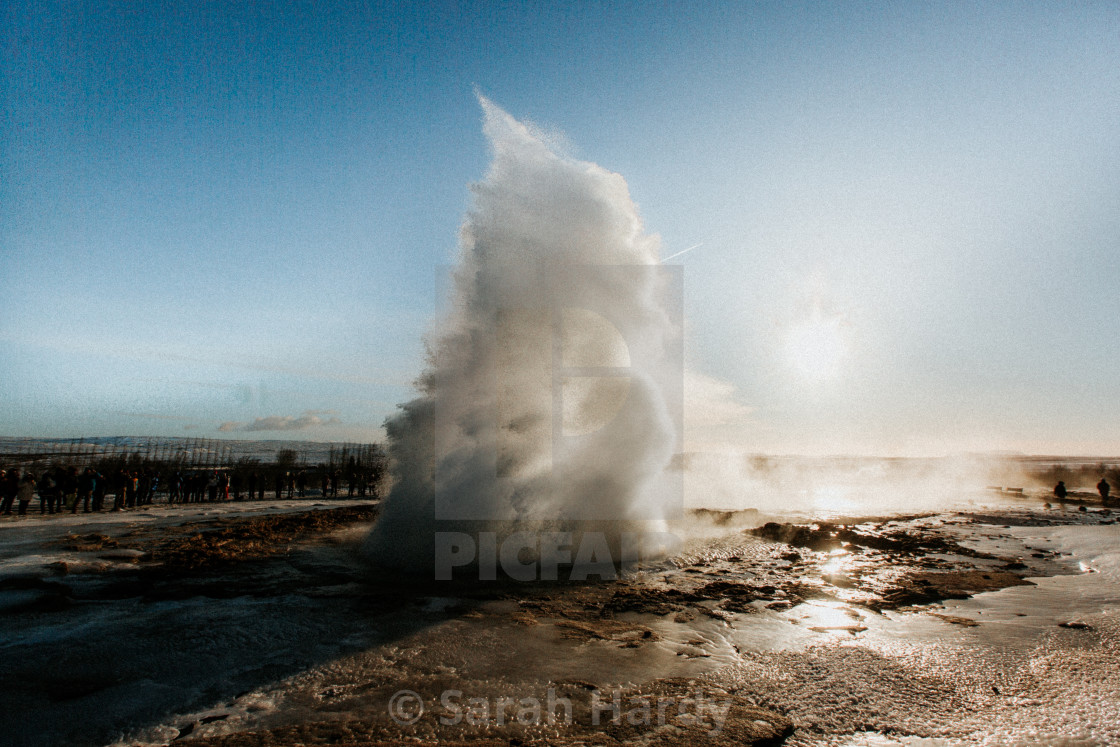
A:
(229, 219)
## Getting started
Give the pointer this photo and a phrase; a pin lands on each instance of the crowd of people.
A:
(71, 489)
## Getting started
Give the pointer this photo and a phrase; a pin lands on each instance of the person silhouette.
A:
(1103, 488)
(1060, 490)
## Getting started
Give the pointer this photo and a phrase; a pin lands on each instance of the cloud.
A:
(310, 419)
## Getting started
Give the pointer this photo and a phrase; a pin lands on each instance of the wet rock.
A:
(524, 617)
(852, 629)
(656, 601)
(818, 539)
(92, 542)
(729, 595)
(956, 620)
(827, 537)
(630, 635)
(123, 554)
(915, 589)
(840, 580)
(692, 652)
(726, 518)
(227, 541)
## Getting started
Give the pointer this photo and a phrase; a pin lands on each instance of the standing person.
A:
(260, 489)
(25, 492)
(132, 487)
(1103, 488)
(235, 485)
(99, 489)
(9, 488)
(118, 489)
(68, 486)
(1060, 491)
(325, 482)
(48, 493)
(212, 487)
(223, 484)
(301, 483)
(86, 485)
(252, 484)
(291, 484)
(279, 485)
(144, 487)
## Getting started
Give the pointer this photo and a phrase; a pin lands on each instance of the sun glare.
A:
(816, 348)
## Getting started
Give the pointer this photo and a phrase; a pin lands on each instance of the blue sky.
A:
(237, 214)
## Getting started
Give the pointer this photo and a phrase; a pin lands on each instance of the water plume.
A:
(552, 396)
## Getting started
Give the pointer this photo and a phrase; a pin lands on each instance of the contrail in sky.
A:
(689, 249)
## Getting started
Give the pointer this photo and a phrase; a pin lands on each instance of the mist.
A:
(554, 398)
(842, 488)
(552, 395)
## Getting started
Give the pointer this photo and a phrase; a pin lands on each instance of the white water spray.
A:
(553, 393)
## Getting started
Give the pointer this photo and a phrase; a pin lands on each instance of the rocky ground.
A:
(270, 630)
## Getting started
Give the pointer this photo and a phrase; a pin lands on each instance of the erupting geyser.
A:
(551, 404)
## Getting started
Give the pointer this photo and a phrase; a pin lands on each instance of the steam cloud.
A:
(553, 393)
